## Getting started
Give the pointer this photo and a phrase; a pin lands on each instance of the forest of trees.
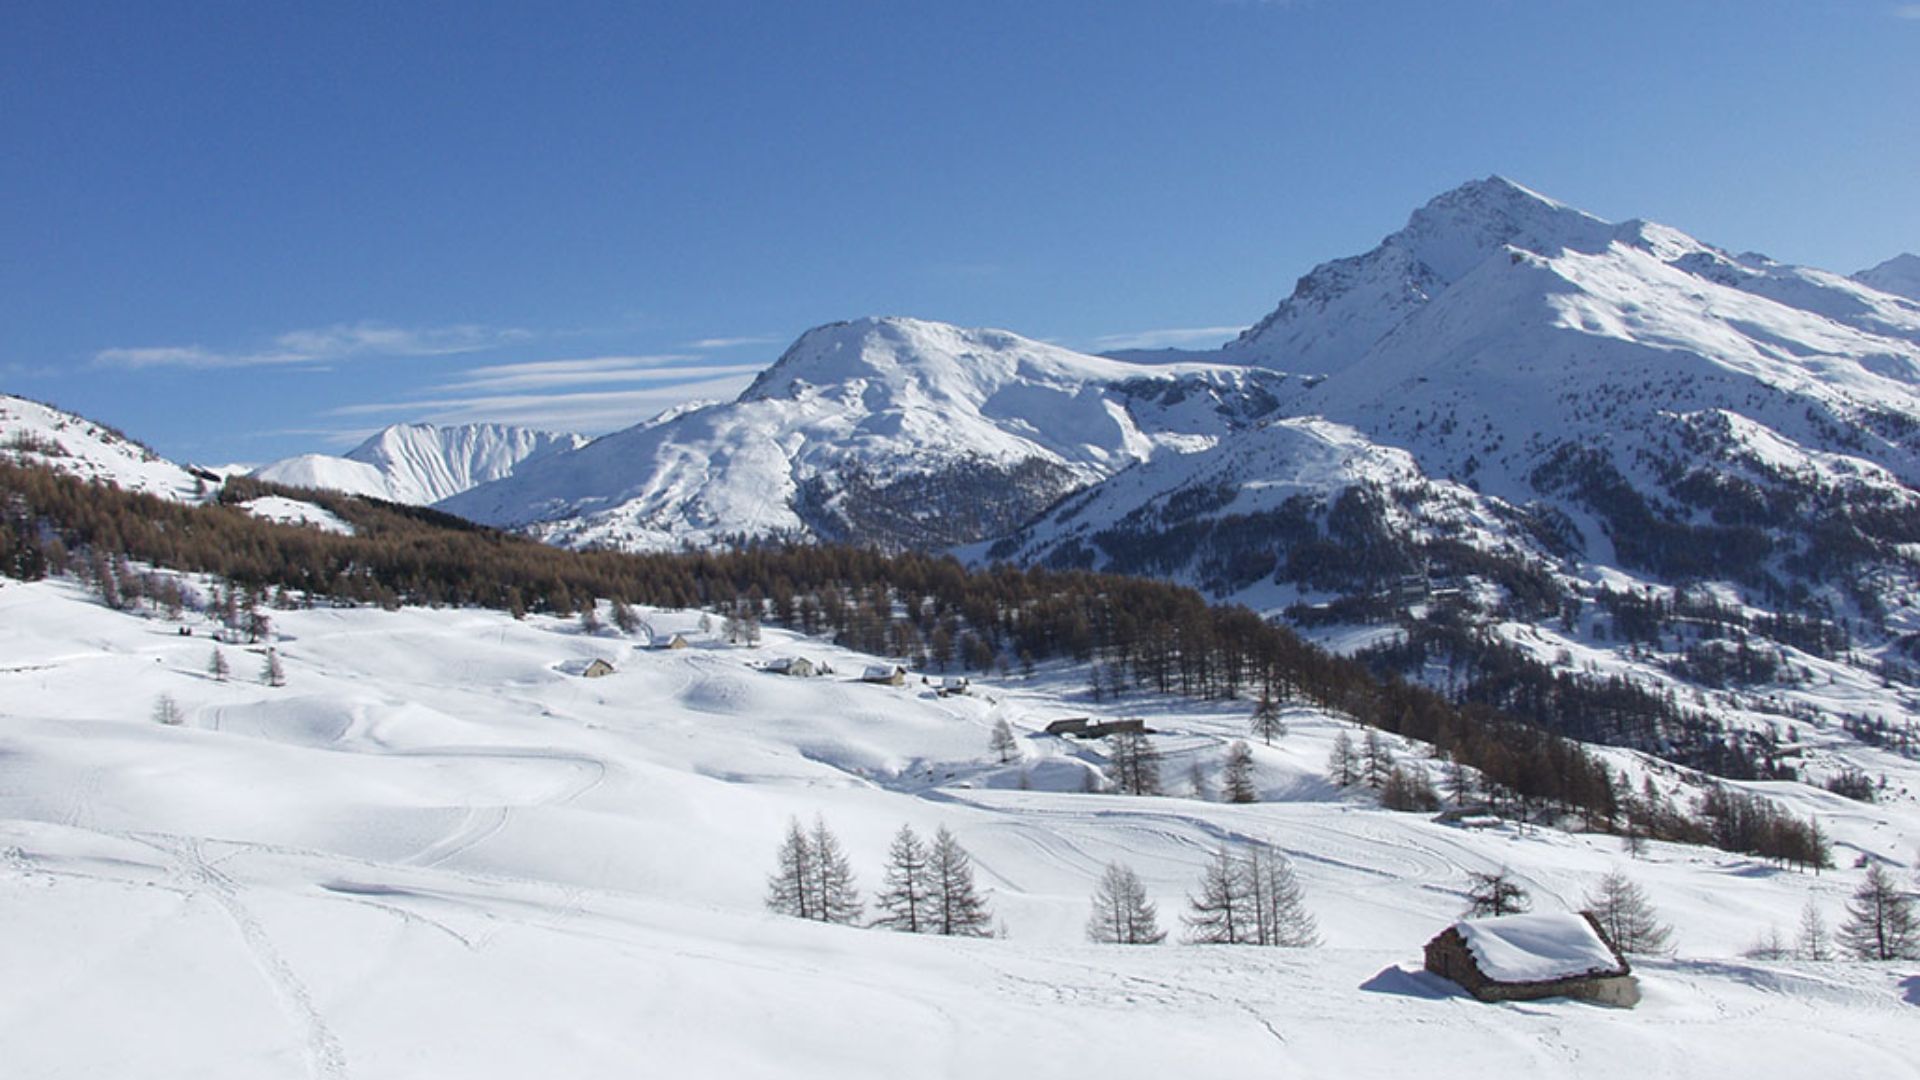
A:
(1135, 635)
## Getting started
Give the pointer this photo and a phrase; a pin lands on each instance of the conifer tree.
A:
(1495, 894)
(1378, 759)
(813, 879)
(1880, 921)
(1122, 914)
(1627, 917)
(1134, 762)
(838, 896)
(271, 672)
(1280, 916)
(791, 889)
(217, 665)
(1267, 723)
(1219, 914)
(1237, 776)
(906, 896)
(1341, 766)
(959, 909)
(1814, 941)
(167, 711)
(1003, 743)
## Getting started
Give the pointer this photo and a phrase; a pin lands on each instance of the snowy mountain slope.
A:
(890, 431)
(421, 464)
(1899, 275)
(42, 435)
(434, 853)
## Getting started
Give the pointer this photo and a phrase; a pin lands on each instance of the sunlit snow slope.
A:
(434, 852)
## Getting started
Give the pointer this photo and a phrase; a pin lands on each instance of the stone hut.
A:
(597, 669)
(1528, 957)
(797, 666)
(673, 641)
(1072, 725)
(885, 675)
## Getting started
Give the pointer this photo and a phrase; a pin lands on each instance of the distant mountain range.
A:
(1510, 425)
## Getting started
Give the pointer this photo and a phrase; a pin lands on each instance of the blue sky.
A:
(243, 230)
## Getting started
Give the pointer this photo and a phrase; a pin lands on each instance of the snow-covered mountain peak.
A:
(884, 430)
(422, 463)
(1899, 275)
(1343, 307)
(934, 360)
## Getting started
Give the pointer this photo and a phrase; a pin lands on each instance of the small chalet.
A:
(885, 675)
(597, 669)
(1528, 957)
(1072, 725)
(797, 666)
(1114, 727)
(673, 641)
(954, 685)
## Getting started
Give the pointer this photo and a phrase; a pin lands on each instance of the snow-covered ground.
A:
(436, 852)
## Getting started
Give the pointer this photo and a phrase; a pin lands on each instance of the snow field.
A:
(435, 853)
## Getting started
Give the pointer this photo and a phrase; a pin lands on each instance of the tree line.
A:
(1134, 634)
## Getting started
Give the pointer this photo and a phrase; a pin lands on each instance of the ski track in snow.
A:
(326, 1060)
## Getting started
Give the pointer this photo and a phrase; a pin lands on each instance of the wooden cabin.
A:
(1534, 956)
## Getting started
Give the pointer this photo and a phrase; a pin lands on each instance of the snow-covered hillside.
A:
(421, 464)
(37, 434)
(435, 852)
(891, 431)
(1899, 275)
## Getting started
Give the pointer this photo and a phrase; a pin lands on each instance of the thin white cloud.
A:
(587, 412)
(1907, 11)
(321, 345)
(733, 342)
(588, 371)
(1171, 338)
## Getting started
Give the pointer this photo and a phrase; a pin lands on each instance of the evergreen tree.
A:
(1134, 762)
(839, 898)
(959, 909)
(1220, 914)
(1408, 788)
(906, 896)
(1627, 917)
(1197, 783)
(1341, 765)
(1122, 914)
(1280, 916)
(217, 665)
(1880, 921)
(1003, 743)
(1814, 941)
(167, 711)
(623, 616)
(791, 889)
(271, 672)
(1377, 759)
(813, 879)
(1495, 894)
(590, 618)
(1267, 723)
(1237, 776)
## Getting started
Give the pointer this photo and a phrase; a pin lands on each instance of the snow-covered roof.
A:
(1537, 948)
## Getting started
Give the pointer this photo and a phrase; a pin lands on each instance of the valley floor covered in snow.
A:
(436, 851)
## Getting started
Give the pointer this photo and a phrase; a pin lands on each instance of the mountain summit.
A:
(422, 464)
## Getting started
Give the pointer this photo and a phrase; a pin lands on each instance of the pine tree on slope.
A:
(1122, 914)
(905, 894)
(959, 909)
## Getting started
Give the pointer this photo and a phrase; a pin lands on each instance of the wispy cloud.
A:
(322, 345)
(587, 412)
(1907, 11)
(732, 342)
(590, 371)
(1171, 338)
